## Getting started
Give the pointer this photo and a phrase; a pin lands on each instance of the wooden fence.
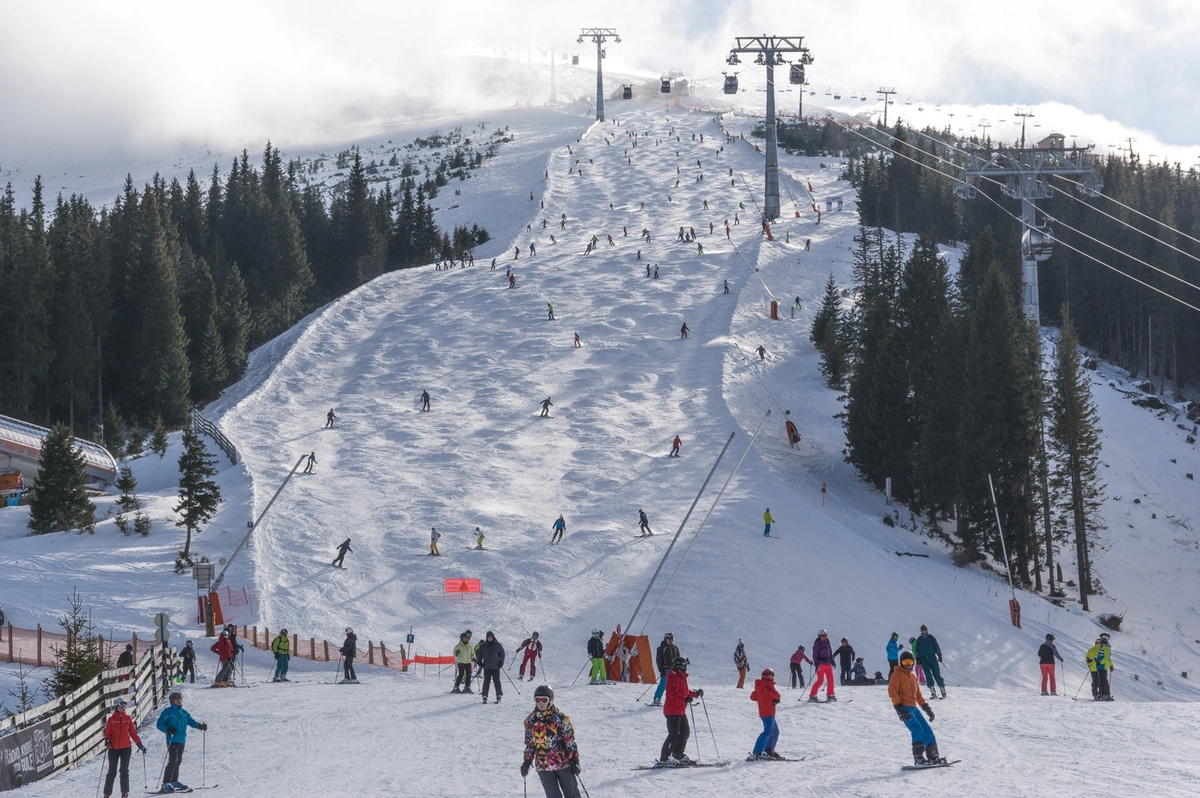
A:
(202, 426)
(324, 651)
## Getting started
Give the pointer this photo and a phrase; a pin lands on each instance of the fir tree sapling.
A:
(60, 500)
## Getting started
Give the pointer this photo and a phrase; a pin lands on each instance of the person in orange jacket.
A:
(767, 696)
(120, 735)
(905, 693)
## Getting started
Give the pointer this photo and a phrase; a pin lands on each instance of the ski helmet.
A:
(768, 674)
(467, 633)
(535, 634)
(544, 691)
(681, 663)
(1049, 637)
(895, 635)
(283, 632)
(120, 702)
(907, 656)
(597, 633)
(924, 628)
(801, 648)
(175, 694)
(668, 636)
(822, 633)
(349, 631)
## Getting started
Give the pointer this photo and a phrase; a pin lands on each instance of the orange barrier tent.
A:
(632, 659)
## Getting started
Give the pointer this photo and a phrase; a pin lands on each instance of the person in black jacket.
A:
(845, 655)
(342, 549)
(665, 660)
(1047, 653)
(349, 651)
(188, 655)
(490, 656)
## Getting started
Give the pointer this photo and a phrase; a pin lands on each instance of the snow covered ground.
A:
(482, 457)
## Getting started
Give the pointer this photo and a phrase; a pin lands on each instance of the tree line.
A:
(151, 305)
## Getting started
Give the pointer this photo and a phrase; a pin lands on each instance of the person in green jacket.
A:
(464, 655)
(281, 647)
(767, 520)
(1099, 664)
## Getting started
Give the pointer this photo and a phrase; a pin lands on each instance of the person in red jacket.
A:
(120, 735)
(224, 651)
(679, 695)
(766, 696)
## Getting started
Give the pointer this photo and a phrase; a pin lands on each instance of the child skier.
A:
(905, 695)
(766, 696)
(349, 651)
(797, 665)
(464, 654)
(479, 539)
(533, 649)
(741, 663)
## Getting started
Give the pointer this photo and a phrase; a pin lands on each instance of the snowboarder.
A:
(224, 651)
(281, 647)
(929, 654)
(120, 735)
(664, 659)
(823, 659)
(893, 652)
(560, 529)
(533, 649)
(797, 665)
(1047, 653)
(341, 555)
(845, 655)
(479, 536)
(762, 352)
(188, 655)
(349, 651)
(906, 697)
(726, 286)
(675, 444)
(464, 654)
(767, 521)
(858, 674)
(683, 331)
(644, 523)
(595, 649)
(312, 462)
(174, 721)
(434, 536)
(741, 663)
(329, 417)
(549, 312)
(425, 401)
(766, 695)
(679, 695)
(577, 343)
(550, 746)
(490, 656)
(546, 405)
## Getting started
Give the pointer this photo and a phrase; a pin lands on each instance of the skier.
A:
(490, 656)
(546, 405)
(516, 253)
(560, 529)
(655, 272)
(792, 433)
(174, 721)
(741, 663)
(762, 352)
(312, 462)
(644, 523)
(348, 651)
(1097, 663)
(533, 649)
(1108, 666)
(550, 746)
(595, 649)
(532, 249)
(797, 665)
(224, 651)
(125, 661)
(577, 343)
(434, 536)
(329, 417)
(479, 536)
(845, 655)
(281, 647)
(807, 244)
(463, 656)
(726, 286)
(664, 659)
(1047, 653)
(512, 280)
(675, 444)
(549, 312)
(341, 555)
(893, 652)
(188, 655)
(929, 654)
(425, 401)
(767, 521)
(120, 735)
(905, 695)
(679, 695)
(683, 331)
(766, 695)
(699, 248)
(797, 306)
(234, 646)
(823, 659)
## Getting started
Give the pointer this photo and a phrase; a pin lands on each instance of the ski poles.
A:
(103, 768)
(581, 784)
(692, 707)
(542, 662)
(203, 756)
(710, 728)
(652, 684)
(145, 773)
(589, 662)
(1085, 678)
(510, 681)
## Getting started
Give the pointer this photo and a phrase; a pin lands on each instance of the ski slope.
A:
(482, 457)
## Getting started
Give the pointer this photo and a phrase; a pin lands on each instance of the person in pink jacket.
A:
(798, 660)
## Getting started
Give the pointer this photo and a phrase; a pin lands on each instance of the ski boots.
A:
(829, 698)
(813, 699)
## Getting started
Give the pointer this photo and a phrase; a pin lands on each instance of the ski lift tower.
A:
(1026, 173)
(770, 50)
(599, 36)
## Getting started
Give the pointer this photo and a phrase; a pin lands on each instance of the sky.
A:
(134, 74)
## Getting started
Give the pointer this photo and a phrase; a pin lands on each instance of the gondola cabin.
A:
(666, 86)
(627, 92)
(731, 84)
(574, 60)
(1037, 244)
(796, 74)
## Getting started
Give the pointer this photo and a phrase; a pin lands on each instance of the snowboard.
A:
(931, 767)
(683, 767)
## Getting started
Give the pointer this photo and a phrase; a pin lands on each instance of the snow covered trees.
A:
(60, 501)
(199, 496)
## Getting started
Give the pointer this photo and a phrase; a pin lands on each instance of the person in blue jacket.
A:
(929, 655)
(174, 722)
(893, 652)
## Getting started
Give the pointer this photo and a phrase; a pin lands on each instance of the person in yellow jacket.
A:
(905, 694)
(281, 647)
(767, 520)
(1099, 663)
(464, 655)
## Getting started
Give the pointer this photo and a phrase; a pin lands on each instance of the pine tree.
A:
(127, 502)
(233, 319)
(1074, 441)
(828, 336)
(60, 500)
(199, 496)
(212, 371)
(158, 437)
(80, 659)
(114, 431)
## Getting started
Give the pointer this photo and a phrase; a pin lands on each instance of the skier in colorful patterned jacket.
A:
(550, 747)
(905, 694)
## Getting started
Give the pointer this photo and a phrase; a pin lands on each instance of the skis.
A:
(826, 701)
(185, 789)
(660, 766)
(753, 758)
(931, 767)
